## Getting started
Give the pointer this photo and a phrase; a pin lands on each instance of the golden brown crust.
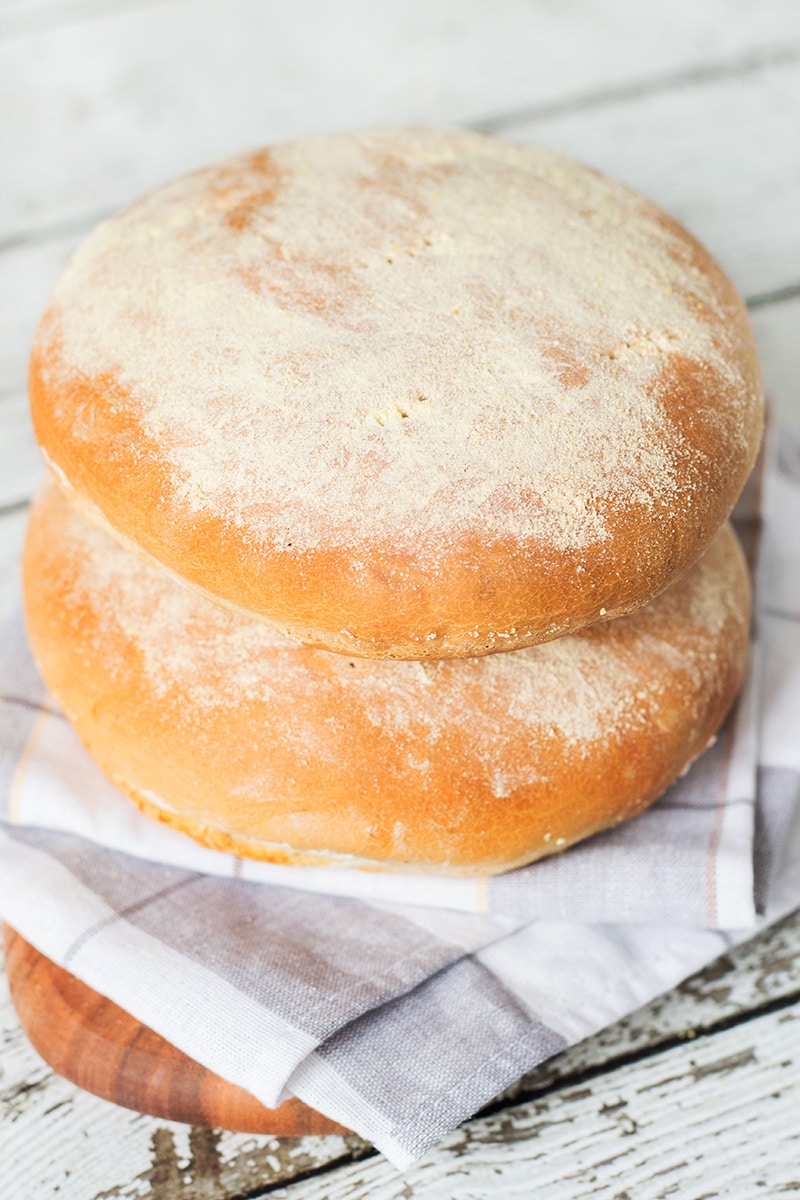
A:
(221, 727)
(403, 394)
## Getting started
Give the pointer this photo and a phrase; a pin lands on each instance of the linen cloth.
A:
(399, 1005)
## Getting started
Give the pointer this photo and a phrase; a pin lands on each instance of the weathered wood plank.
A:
(20, 464)
(751, 977)
(12, 532)
(27, 274)
(97, 111)
(776, 328)
(716, 1117)
(74, 1155)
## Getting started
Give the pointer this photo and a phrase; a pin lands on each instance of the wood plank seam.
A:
(668, 1042)
(16, 506)
(355, 1154)
(698, 76)
(777, 296)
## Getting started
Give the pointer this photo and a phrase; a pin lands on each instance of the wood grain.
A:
(95, 1044)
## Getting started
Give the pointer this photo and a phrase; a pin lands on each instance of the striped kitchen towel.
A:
(400, 1006)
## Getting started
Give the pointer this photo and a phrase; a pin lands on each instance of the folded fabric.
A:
(400, 1005)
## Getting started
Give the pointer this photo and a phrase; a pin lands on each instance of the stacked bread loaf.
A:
(386, 526)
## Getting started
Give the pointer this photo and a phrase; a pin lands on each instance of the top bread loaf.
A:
(403, 394)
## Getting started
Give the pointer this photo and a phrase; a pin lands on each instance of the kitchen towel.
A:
(400, 1005)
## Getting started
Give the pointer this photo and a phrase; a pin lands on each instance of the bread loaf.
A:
(402, 394)
(219, 726)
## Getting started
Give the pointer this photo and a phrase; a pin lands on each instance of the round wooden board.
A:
(94, 1043)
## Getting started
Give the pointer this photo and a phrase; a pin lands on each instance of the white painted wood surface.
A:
(694, 103)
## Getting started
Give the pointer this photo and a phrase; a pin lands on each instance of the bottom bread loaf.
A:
(219, 726)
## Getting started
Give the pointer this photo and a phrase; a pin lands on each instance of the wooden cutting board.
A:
(97, 1045)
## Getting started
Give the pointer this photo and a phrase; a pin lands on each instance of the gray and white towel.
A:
(400, 1005)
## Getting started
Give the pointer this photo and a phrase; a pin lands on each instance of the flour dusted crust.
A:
(411, 394)
(221, 727)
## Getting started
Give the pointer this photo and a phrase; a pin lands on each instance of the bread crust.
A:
(220, 727)
(403, 394)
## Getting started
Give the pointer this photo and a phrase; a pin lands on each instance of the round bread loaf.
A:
(217, 725)
(411, 394)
